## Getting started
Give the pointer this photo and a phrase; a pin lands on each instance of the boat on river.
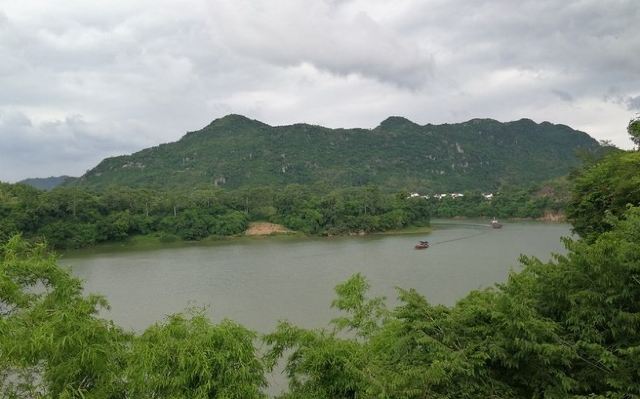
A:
(495, 224)
(422, 245)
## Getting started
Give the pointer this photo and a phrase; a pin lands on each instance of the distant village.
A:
(487, 196)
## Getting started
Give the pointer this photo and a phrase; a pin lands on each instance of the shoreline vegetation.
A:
(261, 230)
(547, 217)
(268, 230)
(73, 218)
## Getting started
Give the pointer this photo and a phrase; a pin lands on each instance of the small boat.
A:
(495, 224)
(422, 245)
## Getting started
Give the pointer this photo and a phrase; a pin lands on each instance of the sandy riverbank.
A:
(265, 229)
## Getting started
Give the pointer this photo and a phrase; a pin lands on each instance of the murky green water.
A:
(258, 282)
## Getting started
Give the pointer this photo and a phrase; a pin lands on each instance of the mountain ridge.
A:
(47, 183)
(236, 151)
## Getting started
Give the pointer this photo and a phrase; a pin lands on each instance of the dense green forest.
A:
(567, 328)
(235, 152)
(603, 191)
(73, 217)
(535, 201)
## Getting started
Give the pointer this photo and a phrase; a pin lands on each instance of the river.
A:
(260, 281)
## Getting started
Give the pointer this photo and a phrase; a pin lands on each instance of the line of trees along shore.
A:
(567, 328)
(74, 218)
(70, 217)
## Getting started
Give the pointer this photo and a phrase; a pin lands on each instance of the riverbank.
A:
(256, 231)
(153, 242)
(547, 217)
(555, 217)
(266, 229)
(407, 230)
(270, 231)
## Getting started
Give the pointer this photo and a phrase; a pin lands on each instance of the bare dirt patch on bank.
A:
(557, 217)
(265, 229)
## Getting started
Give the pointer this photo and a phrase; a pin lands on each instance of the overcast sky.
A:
(82, 80)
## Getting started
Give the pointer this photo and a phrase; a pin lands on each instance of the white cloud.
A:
(323, 34)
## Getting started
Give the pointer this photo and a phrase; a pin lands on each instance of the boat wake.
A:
(460, 238)
(479, 233)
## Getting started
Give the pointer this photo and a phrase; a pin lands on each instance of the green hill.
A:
(46, 183)
(235, 151)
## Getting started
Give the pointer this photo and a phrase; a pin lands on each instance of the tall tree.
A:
(606, 187)
(634, 130)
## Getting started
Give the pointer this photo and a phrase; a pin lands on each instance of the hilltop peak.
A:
(395, 122)
(526, 121)
(236, 120)
(477, 121)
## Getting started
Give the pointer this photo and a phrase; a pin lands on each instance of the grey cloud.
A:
(563, 95)
(633, 103)
(321, 34)
(71, 144)
(145, 72)
(616, 95)
(587, 42)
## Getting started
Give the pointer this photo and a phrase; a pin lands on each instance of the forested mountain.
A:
(46, 183)
(235, 151)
